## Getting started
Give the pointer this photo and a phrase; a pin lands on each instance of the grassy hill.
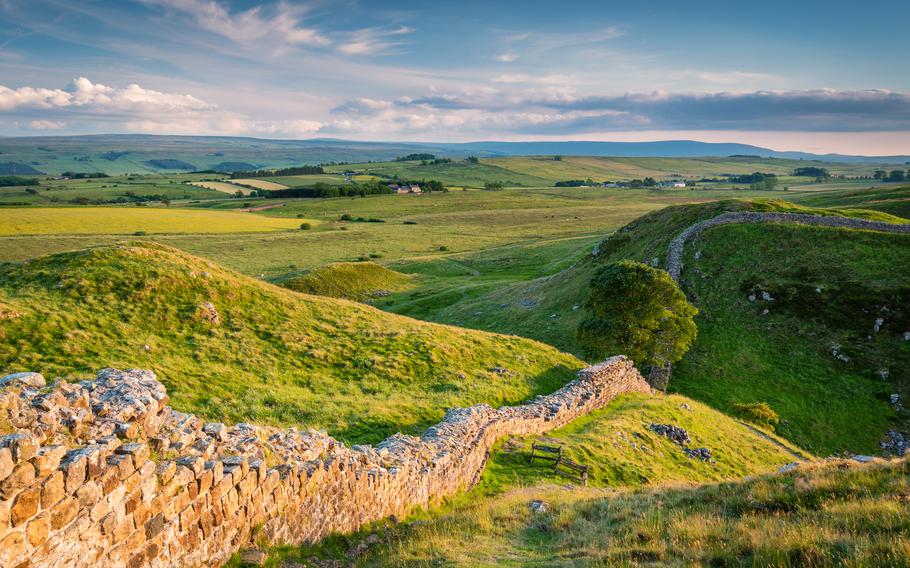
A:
(835, 513)
(233, 348)
(351, 280)
(784, 357)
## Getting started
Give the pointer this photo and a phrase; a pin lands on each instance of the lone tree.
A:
(637, 311)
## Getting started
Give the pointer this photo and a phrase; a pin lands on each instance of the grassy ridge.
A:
(270, 354)
(827, 514)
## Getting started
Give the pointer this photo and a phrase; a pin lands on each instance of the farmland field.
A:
(222, 186)
(259, 184)
(122, 220)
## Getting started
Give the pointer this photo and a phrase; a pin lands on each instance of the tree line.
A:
(320, 189)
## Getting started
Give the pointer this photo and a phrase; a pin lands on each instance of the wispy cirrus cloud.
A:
(381, 40)
(282, 21)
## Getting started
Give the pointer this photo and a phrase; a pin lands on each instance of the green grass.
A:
(826, 514)
(622, 451)
(127, 220)
(277, 356)
(351, 280)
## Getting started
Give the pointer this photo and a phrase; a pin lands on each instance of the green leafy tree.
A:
(638, 311)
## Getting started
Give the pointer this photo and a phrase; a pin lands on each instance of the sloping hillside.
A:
(234, 348)
(742, 355)
(833, 513)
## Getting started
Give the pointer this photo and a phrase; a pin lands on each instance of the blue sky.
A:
(803, 75)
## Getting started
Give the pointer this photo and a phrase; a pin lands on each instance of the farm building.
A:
(402, 189)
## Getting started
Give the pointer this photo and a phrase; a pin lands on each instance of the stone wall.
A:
(675, 251)
(105, 473)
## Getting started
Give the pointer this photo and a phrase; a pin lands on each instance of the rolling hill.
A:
(232, 348)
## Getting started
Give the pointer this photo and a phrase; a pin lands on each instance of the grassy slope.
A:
(827, 514)
(890, 199)
(351, 280)
(735, 358)
(277, 356)
(784, 358)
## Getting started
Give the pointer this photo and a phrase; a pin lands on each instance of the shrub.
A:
(757, 413)
(638, 311)
(375, 220)
(375, 255)
(139, 234)
(410, 222)
(346, 217)
(443, 248)
(306, 226)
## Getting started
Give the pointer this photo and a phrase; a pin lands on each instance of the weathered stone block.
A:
(6, 463)
(21, 477)
(38, 529)
(74, 471)
(52, 490)
(64, 512)
(48, 458)
(25, 505)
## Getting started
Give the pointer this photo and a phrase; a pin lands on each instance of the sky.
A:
(816, 76)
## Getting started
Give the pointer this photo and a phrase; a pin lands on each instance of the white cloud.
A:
(251, 26)
(46, 124)
(374, 41)
(506, 57)
(137, 109)
(83, 93)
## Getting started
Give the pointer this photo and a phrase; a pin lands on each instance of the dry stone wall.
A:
(675, 251)
(105, 473)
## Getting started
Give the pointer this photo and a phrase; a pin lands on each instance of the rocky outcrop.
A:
(105, 473)
(675, 251)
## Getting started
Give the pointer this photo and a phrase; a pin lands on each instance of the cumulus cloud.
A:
(136, 109)
(506, 57)
(83, 93)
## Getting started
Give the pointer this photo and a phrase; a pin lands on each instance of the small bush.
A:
(410, 222)
(306, 226)
(139, 234)
(757, 413)
(300, 215)
(375, 220)
(346, 217)
(443, 248)
(375, 255)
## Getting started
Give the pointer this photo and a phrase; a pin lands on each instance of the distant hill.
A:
(134, 153)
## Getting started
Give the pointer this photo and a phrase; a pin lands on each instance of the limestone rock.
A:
(34, 380)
